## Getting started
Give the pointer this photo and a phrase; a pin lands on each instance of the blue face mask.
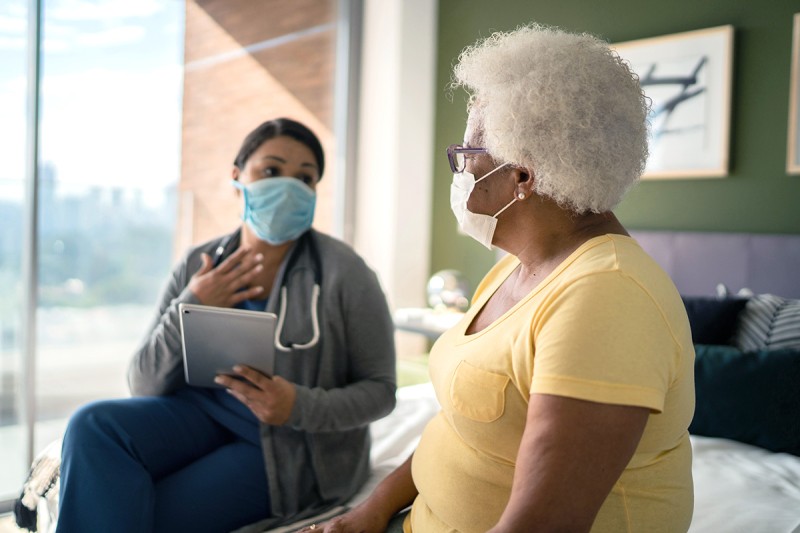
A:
(278, 209)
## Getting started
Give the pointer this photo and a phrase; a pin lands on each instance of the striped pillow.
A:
(768, 321)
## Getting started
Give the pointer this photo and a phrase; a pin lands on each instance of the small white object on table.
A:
(426, 321)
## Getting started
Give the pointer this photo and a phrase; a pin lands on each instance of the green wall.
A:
(757, 196)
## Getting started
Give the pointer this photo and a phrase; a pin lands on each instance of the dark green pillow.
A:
(751, 397)
(713, 320)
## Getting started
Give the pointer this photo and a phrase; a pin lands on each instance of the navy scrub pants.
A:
(157, 464)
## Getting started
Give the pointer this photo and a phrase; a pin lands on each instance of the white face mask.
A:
(479, 227)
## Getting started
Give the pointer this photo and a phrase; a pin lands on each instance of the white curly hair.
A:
(565, 106)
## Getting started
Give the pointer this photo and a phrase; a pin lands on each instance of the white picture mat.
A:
(793, 152)
(691, 140)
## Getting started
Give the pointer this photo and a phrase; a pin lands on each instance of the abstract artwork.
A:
(687, 77)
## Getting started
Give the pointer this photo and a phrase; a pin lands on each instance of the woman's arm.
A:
(571, 454)
(396, 492)
(157, 365)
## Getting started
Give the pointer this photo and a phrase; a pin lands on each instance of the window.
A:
(110, 97)
(13, 17)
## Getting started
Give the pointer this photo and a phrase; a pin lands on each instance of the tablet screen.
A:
(217, 338)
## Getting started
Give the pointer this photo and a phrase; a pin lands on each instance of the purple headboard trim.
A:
(697, 262)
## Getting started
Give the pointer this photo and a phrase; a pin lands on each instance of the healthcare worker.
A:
(259, 451)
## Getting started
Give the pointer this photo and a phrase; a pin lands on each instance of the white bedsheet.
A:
(743, 488)
(738, 488)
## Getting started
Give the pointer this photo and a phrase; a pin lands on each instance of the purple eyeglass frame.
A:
(455, 149)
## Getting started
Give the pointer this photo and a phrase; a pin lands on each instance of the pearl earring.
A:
(521, 196)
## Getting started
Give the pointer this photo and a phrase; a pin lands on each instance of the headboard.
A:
(698, 262)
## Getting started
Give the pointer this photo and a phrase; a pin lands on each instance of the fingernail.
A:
(260, 257)
(259, 267)
(238, 368)
(218, 380)
(259, 289)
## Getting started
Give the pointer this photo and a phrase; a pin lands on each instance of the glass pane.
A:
(110, 149)
(13, 57)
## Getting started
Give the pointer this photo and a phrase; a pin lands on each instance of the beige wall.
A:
(247, 61)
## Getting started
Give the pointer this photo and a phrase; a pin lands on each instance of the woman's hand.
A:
(222, 286)
(358, 520)
(271, 399)
(396, 492)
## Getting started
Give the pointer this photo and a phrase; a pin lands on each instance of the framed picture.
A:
(687, 76)
(793, 152)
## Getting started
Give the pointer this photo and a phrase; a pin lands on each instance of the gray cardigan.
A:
(343, 383)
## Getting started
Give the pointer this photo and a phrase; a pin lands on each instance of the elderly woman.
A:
(260, 450)
(567, 389)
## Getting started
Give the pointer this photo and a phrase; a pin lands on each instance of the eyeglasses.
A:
(456, 155)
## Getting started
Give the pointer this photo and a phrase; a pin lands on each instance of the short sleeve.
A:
(603, 338)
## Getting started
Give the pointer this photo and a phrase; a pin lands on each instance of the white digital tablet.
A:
(216, 338)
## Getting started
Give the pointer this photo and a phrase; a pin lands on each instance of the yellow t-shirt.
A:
(607, 326)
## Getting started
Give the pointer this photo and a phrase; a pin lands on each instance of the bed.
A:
(746, 433)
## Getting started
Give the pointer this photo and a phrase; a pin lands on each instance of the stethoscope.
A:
(231, 242)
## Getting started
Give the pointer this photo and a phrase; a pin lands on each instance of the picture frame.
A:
(793, 146)
(688, 78)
